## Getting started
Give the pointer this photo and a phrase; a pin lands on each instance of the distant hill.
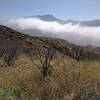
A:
(95, 22)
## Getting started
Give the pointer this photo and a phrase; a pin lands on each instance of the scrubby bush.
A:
(9, 55)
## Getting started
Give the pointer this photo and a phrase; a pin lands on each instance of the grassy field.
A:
(70, 80)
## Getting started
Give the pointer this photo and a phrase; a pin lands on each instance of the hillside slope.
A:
(13, 43)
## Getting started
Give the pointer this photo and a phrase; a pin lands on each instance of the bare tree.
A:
(46, 55)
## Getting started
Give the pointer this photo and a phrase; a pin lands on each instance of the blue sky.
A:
(64, 9)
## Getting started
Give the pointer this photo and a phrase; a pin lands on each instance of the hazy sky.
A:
(65, 9)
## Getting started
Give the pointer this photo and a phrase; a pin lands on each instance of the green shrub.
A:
(10, 92)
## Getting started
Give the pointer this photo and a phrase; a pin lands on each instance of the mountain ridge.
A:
(50, 17)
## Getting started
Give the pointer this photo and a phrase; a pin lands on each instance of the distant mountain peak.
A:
(47, 17)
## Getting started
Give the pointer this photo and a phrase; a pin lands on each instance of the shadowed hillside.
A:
(13, 43)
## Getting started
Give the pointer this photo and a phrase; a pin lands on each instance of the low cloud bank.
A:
(82, 35)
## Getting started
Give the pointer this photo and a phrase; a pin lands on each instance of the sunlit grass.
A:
(26, 75)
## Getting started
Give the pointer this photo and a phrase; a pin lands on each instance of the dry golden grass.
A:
(67, 73)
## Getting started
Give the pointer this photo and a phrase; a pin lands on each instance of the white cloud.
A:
(75, 33)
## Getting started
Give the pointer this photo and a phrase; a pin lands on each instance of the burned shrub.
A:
(45, 55)
(1, 52)
(9, 55)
